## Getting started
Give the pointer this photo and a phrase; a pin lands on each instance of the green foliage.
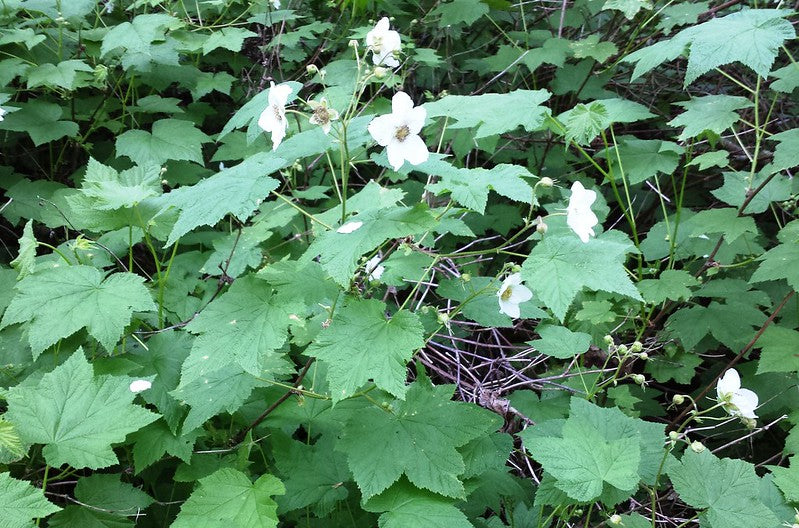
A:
(97, 411)
(225, 304)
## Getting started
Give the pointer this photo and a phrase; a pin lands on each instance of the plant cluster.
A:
(454, 264)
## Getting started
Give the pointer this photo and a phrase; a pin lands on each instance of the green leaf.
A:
(738, 185)
(64, 75)
(25, 263)
(230, 38)
(671, 284)
(677, 365)
(650, 57)
(562, 266)
(779, 352)
(86, 518)
(731, 323)
(361, 345)
(339, 252)
(469, 187)
(405, 505)
(629, 7)
(787, 78)
(785, 154)
(55, 9)
(724, 220)
(716, 158)
(11, 448)
(41, 121)
(585, 122)
(560, 342)
(171, 139)
(723, 488)
(681, 14)
(642, 159)
(57, 302)
(76, 415)
(583, 461)
(142, 41)
(779, 263)
(243, 327)
(313, 474)
(238, 191)
(591, 47)
(110, 189)
(717, 41)
(20, 502)
(488, 113)
(227, 498)
(714, 113)
(107, 492)
(460, 11)
(417, 437)
(154, 441)
(787, 479)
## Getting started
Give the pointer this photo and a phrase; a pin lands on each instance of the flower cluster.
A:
(383, 43)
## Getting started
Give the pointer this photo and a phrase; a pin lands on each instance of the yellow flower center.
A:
(402, 132)
(507, 293)
(322, 115)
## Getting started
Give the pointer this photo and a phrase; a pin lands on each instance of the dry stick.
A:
(735, 360)
(239, 437)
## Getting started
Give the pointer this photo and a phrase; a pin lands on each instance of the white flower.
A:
(373, 269)
(399, 132)
(140, 385)
(511, 294)
(383, 42)
(736, 401)
(275, 3)
(2, 113)
(579, 216)
(349, 227)
(273, 118)
(323, 115)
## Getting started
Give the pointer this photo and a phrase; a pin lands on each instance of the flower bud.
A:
(639, 379)
(678, 399)
(643, 355)
(674, 436)
(749, 423)
(637, 346)
(697, 446)
(353, 43)
(516, 268)
(322, 73)
(466, 277)
(546, 181)
(541, 228)
(443, 318)
(622, 349)
(312, 69)
(615, 520)
(608, 340)
(380, 72)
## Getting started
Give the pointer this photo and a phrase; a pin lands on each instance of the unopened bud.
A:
(674, 436)
(353, 43)
(639, 379)
(750, 423)
(541, 228)
(608, 340)
(443, 318)
(622, 349)
(312, 69)
(615, 520)
(643, 355)
(516, 268)
(637, 346)
(466, 277)
(678, 399)
(380, 72)
(697, 446)
(546, 181)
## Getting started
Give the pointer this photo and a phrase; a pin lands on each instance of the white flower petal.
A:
(140, 385)
(579, 216)
(394, 153)
(728, 384)
(520, 294)
(412, 149)
(401, 103)
(382, 129)
(415, 119)
(279, 94)
(510, 309)
(349, 227)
